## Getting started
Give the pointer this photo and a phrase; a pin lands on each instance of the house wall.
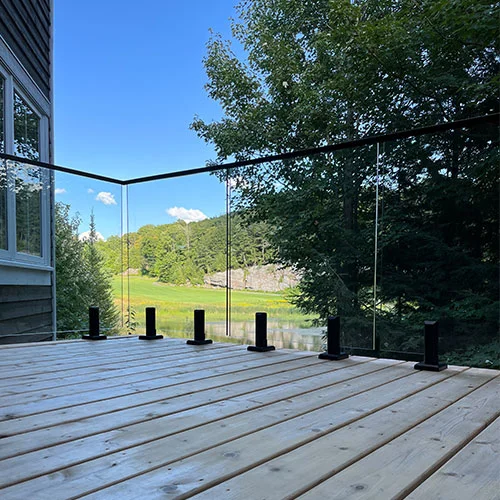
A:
(26, 313)
(27, 294)
(26, 27)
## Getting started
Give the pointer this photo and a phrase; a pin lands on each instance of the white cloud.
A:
(59, 190)
(85, 236)
(90, 191)
(185, 214)
(106, 198)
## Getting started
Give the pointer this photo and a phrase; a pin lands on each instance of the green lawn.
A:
(178, 302)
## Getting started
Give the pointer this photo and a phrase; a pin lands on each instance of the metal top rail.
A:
(493, 119)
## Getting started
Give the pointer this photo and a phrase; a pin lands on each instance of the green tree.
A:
(81, 280)
(112, 252)
(99, 280)
(71, 283)
(317, 72)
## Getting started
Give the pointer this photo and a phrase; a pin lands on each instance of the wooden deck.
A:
(125, 418)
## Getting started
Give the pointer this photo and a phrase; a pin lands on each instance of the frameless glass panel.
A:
(3, 173)
(302, 248)
(439, 244)
(176, 243)
(89, 256)
(28, 179)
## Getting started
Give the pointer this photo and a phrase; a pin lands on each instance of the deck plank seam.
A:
(334, 368)
(95, 349)
(270, 386)
(135, 354)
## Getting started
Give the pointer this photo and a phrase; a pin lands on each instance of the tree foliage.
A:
(81, 278)
(182, 253)
(306, 73)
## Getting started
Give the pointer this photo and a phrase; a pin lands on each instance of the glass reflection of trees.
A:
(28, 184)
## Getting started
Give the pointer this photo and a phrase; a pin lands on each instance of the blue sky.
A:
(128, 81)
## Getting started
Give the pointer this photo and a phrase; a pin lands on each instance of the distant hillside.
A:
(181, 253)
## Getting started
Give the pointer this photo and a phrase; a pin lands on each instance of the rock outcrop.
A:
(267, 278)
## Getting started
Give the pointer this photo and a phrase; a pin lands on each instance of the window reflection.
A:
(26, 130)
(28, 208)
(28, 179)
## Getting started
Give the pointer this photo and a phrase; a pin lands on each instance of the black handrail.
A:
(442, 127)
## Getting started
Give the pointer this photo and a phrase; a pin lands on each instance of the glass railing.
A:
(438, 241)
(386, 234)
(175, 243)
(89, 257)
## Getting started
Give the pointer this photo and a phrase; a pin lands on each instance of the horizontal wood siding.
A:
(25, 26)
(25, 313)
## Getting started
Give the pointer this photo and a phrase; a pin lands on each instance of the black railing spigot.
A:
(333, 350)
(150, 325)
(199, 329)
(431, 355)
(94, 330)
(261, 334)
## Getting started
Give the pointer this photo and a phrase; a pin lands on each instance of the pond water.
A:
(281, 334)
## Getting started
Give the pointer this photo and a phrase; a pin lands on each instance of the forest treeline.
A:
(182, 253)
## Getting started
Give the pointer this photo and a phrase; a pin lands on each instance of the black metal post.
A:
(150, 325)
(333, 352)
(261, 334)
(94, 331)
(199, 329)
(431, 355)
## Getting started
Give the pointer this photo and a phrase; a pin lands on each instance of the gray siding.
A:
(25, 313)
(26, 27)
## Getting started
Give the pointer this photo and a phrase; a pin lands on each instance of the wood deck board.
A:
(474, 472)
(199, 428)
(166, 420)
(85, 391)
(113, 377)
(223, 396)
(109, 359)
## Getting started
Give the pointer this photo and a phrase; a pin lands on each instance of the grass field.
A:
(175, 304)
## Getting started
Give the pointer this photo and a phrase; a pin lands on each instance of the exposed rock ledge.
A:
(267, 278)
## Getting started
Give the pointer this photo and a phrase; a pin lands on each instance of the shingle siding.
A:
(26, 27)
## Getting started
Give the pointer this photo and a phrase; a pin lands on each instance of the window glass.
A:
(28, 178)
(3, 174)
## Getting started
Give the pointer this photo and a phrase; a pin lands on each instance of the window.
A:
(28, 179)
(24, 193)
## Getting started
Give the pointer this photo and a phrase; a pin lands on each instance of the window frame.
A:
(11, 257)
